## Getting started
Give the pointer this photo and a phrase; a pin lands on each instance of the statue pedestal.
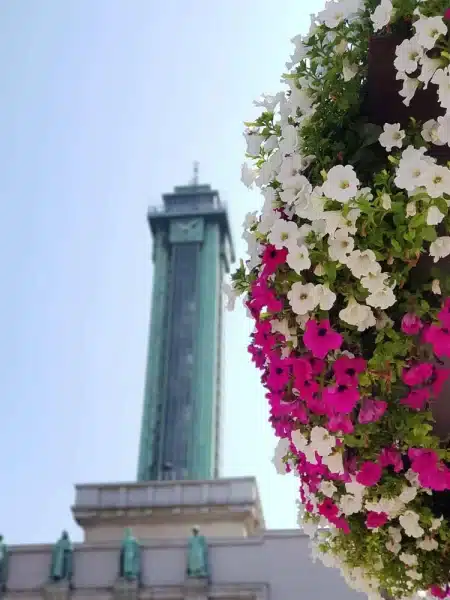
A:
(126, 590)
(196, 588)
(56, 590)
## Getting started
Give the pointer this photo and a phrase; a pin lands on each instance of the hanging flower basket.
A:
(348, 283)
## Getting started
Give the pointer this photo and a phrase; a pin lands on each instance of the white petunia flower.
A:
(341, 184)
(319, 270)
(375, 283)
(386, 202)
(271, 143)
(408, 54)
(382, 15)
(395, 533)
(267, 221)
(411, 209)
(334, 462)
(322, 441)
(410, 523)
(327, 488)
(349, 71)
(302, 297)
(434, 216)
(340, 246)
(428, 544)
(392, 136)
(231, 295)
(408, 494)
(283, 234)
(298, 258)
(428, 67)
(436, 523)
(408, 559)
(409, 89)
(281, 449)
(436, 180)
(248, 175)
(393, 547)
(411, 168)
(428, 30)
(363, 263)
(333, 14)
(440, 248)
(442, 79)
(352, 216)
(430, 132)
(353, 487)
(325, 297)
(254, 141)
(350, 505)
(436, 287)
(443, 130)
(358, 315)
(383, 298)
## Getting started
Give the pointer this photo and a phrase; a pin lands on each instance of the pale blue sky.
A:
(104, 106)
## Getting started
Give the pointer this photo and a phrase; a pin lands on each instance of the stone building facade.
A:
(247, 561)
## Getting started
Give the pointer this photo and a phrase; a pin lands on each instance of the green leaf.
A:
(429, 233)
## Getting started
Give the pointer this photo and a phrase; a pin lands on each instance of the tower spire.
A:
(194, 180)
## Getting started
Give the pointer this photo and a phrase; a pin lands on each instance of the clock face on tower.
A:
(186, 230)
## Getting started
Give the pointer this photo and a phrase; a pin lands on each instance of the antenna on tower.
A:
(194, 180)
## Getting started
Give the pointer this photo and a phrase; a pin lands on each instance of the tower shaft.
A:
(192, 249)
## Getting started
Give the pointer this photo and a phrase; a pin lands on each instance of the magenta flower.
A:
(436, 590)
(340, 423)
(375, 520)
(347, 370)
(320, 338)
(444, 315)
(328, 509)
(390, 457)
(411, 324)
(416, 399)
(342, 524)
(447, 14)
(439, 338)
(440, 376)
(371, 411)
(341, 399)
(432, 472)
(279, 373)
(302, 369)
(272, 259)
(417, 374)
(369, 474)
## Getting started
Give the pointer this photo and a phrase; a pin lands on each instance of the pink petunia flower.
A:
(375, 519)
(391, 457)
(340, 423)
(411, 324)
(439, 338)
(440, 376)
(436, 590)
(418, 374)
(416, 399)
(347, 370)
(272, 259)
(341, 399)
(371, 410)
(432, 472)
(369, 474)
(328, 509)
(444, 314)
(320, 338)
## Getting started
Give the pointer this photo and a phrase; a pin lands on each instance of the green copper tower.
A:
(192, 249)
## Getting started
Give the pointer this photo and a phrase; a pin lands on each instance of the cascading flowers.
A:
(349, 331)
